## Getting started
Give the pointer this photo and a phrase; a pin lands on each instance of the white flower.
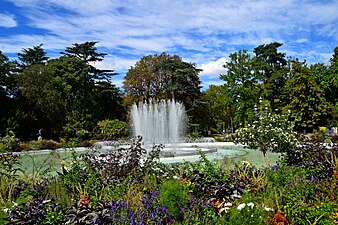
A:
(224, 209)
(236, 195)
(268, 209)
(251, 205)
(241, 206)
(228, 204)
(6, 210)
(46, 201)
(176, 177)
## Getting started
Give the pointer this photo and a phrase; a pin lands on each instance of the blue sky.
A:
(204, 32)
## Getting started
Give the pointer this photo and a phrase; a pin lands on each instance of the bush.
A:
(269, 133)
(174, 195)
(112, 128)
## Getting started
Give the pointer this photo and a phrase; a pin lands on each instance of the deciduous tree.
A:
(307, 103)
(242, 84)
(163, 77)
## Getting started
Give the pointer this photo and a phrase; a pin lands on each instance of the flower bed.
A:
(124, 187)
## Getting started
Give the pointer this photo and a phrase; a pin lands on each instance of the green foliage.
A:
(201, 192)
(173, 195)
(42, 101)
(250, 214)
(113, 128)
(195, 134)
(162, 76)
(74, 123)
(211, 169)
(307, 103)
(9, 166)
(271, 68)
(35, 55)
(270, 133)
(7, 142)
(219, 108)
(242, 85)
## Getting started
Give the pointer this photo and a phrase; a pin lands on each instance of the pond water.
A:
(37, 161)
(234, 154)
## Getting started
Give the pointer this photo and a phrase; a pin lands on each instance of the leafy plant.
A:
(111, 128)
(268, 133)
(174, 195)
(34, 212)
(9, 166)
(8, 142)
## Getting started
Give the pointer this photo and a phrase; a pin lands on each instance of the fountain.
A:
(158, 122)
(163, 122)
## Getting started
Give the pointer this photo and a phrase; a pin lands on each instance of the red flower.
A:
(279, 219)
(84, 201)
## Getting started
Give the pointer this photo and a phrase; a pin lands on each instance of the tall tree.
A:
(307, 103)
(271, 66)
(181, 81)
(220, 108)
(87, 53)
(144, 80)
(107, 102)
(43, 105)
(242, 84)
(68, 74)
(30, 56)
(6, 91)
(162, 77)
(332, 75)
(326, 76)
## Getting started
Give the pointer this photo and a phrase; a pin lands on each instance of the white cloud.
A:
(119, 65)
(301, 40)
(213, 69)
(200, 31)
(7, 20)
(14, 44)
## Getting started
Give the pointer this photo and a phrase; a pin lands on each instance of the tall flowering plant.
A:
(269, 133)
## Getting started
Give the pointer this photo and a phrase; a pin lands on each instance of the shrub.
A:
(269, 133)
(174, 195)
(111, 128)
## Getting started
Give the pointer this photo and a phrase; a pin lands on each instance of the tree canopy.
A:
(68, 95)
(162, 77)
(307, 104)
(242, 85)
(35, 55)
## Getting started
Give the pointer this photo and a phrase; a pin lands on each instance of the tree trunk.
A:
(266, 158)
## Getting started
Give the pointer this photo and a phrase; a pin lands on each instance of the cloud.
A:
(16, 43)
(301, 40)
(213, 69)
(200, 31)
(118, 64)
(7, 20)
